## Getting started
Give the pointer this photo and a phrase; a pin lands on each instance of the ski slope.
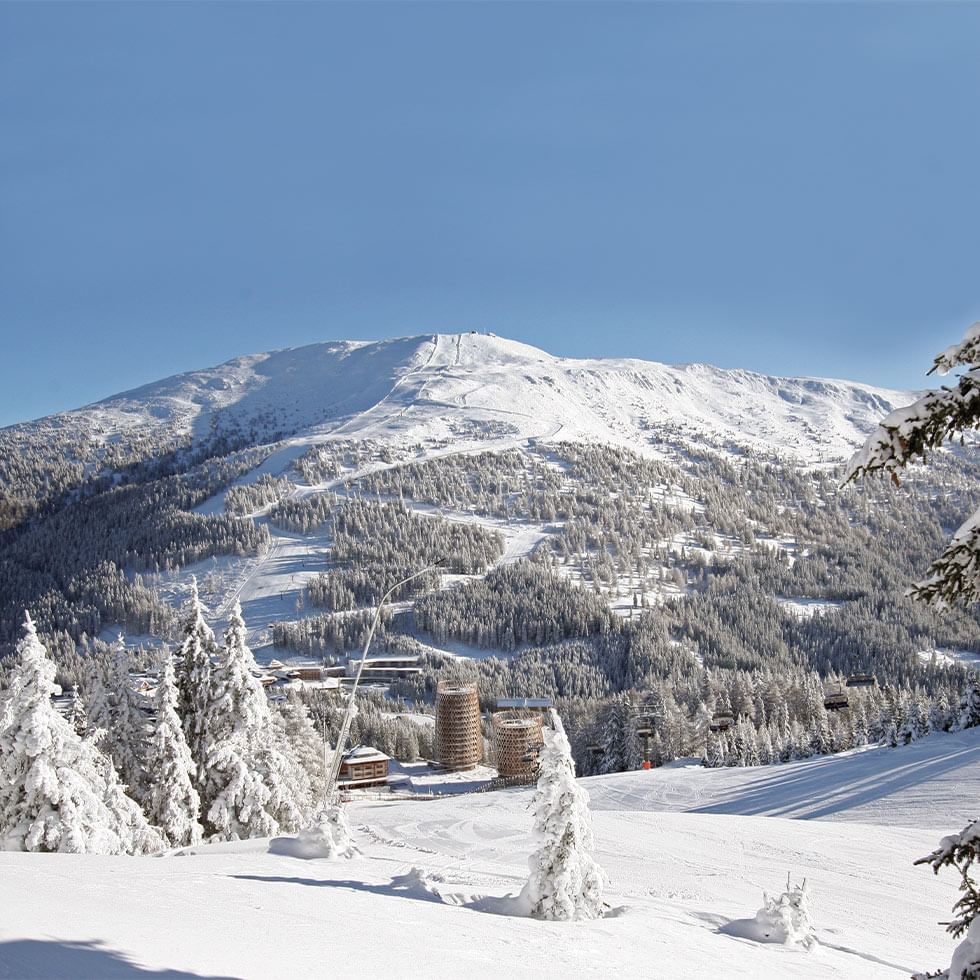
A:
(429, 894)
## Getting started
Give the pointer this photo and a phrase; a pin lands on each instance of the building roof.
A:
(365, 753)
(523, 702)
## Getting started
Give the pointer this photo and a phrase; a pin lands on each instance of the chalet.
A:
(362, 767)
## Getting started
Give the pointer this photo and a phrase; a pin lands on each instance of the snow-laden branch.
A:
(907, 434)
(967, 351)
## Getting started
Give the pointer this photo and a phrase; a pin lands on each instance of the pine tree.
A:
(172, 802)
(58, 792)
(565, 882)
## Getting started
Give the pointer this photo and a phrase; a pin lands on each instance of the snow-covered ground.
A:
(425, 896)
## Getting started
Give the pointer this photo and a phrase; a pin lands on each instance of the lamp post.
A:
(331, 787)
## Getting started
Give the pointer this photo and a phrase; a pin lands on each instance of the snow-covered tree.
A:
(961, 851)
(126, 736)
(970, 703)
(98, 713)
(903, 436)
(58, 792)
(565, 881)
(172, 802)
(306, 744)
(618, 738)
(253, 786)
(908, 434)
(193, 675)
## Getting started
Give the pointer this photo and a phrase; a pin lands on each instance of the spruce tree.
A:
(193, 675)
(970, 703)
(172, 802)
(565, 882)
(254, 786)
(126, 737)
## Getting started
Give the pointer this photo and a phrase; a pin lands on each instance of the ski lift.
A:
(594, 748)
(721, 721)
(836, 701)
(861, 680)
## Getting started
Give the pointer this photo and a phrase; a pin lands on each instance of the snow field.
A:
(429, 893)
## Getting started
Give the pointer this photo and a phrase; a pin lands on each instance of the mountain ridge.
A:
(429, 385)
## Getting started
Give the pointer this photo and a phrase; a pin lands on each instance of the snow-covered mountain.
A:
(484, 387)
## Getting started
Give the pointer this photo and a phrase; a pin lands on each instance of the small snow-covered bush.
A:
(328, 836)
(786, 919)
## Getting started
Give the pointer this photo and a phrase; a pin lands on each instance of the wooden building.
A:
(458, 736)
(363, 766)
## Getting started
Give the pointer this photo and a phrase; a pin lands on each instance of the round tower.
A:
(459, 740)
(517, 741)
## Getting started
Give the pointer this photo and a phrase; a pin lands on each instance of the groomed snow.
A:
(428, 895)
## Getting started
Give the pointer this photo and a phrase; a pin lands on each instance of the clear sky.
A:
(787, 187)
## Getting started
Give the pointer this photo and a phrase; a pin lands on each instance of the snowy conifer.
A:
(172, 802)
(58, 792)
(970, 703)
(126, 736)
(306, 744)
(565, 881)
(98, 713)
(77, 715)
(618, 738)
(253, 785)
(193, 675)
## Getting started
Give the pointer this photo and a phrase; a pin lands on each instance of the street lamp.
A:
(331, 787)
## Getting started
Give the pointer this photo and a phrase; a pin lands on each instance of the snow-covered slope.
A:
(493, 389)
(425, 896)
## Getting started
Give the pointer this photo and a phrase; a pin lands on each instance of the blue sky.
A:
(786, 187)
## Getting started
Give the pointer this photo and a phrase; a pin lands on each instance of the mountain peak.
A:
(490, 389)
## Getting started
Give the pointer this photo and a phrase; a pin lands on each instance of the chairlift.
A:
(837, 701)
(861, 680)
(594, 748)
(721, 721)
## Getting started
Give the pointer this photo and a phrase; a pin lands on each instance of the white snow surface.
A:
(430, 893)
(491, 391)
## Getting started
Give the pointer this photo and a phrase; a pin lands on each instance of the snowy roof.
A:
(365, 753)
(523, 702)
